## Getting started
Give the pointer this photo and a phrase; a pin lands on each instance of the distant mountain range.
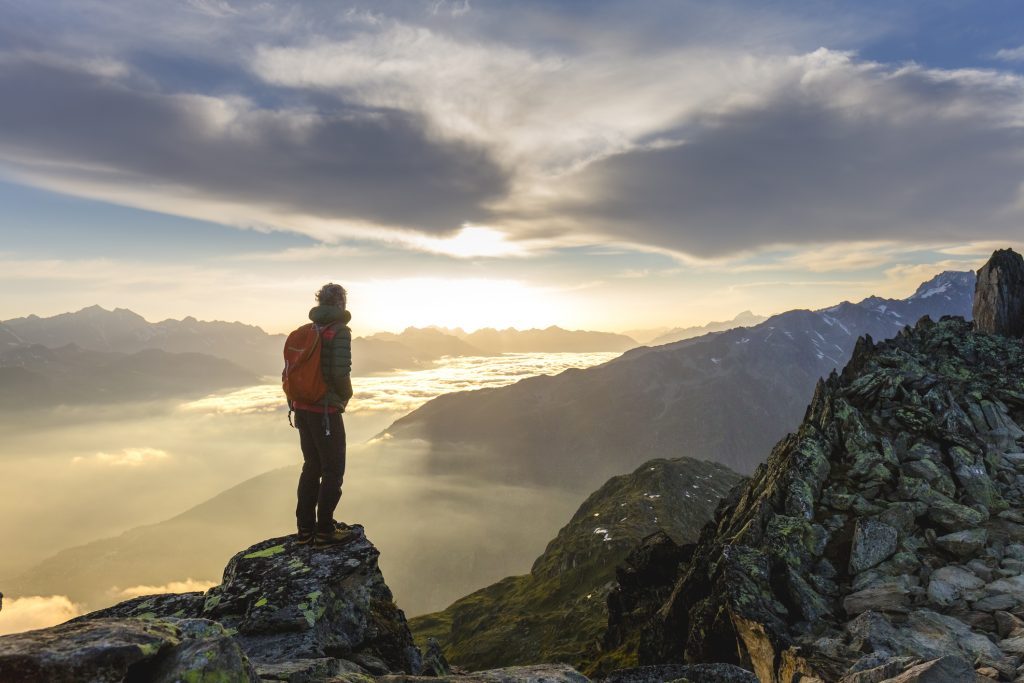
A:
(744, 319)
(725, 396)
(123, 331)
(558, 612)
(549, 340)
(34, 376)
(97, 329)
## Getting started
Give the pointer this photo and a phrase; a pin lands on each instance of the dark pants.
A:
(323, 469)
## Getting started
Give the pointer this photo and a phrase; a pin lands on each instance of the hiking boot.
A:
(335, 537)
(304, 536)
(341, 525)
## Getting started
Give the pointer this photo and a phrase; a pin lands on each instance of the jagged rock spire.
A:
(999, 295)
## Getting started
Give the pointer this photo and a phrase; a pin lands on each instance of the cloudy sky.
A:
(599, 164)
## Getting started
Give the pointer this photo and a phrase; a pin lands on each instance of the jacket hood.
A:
(327, 315)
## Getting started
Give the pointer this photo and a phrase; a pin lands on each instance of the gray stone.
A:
(924, 634)
(993, 603)
(982, 570)
(306, 670)
(1013, 645)
(890, 595)
(539, 673)
(999, 295)
(109, 649)
(949, 584)
(964, 543)
(696, 673)
(969, 470)
(286, 602)
(937, 476)
(951, 515)
(873, 542)
(1007, 624)
(1012, 565)
(948, 669)
(889, 667)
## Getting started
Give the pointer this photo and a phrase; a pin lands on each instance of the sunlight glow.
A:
(470, 303)
(470, 241)
(127, 457)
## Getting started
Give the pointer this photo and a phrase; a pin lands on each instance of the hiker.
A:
(318, 382)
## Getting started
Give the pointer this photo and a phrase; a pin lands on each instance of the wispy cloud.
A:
(445, 127)
(1011, 54)
(126, 457)
(187, 586)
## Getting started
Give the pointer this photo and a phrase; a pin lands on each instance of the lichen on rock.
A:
(885, 527)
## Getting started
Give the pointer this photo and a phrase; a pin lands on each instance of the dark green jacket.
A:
(336, 354)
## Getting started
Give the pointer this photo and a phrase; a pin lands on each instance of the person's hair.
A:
(332, 295)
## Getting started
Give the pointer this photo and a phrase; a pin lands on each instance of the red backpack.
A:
(303, 377)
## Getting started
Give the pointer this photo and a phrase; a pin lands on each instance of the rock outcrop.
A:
(999, 295)
(295, 612)
(284, 612)
(287, 602)
(156, 650)
(887, 533)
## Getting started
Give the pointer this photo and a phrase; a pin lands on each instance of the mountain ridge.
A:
(724, 396)
(557, 612)
(95, 328)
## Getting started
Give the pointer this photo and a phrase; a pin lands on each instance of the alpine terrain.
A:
(884, 539)
(726, 397)
(557, 612)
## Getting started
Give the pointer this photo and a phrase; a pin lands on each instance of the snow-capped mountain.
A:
(726, 396)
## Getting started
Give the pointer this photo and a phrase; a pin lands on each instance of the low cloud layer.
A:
(36, 611)
(187, 586)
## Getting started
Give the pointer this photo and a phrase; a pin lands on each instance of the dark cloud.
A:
(379, 166)
(801, 169)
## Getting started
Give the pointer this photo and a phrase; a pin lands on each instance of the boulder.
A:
(947, 669)
(873, 543)
(949, 584)
(889, 595)
(541, 673)
(288, 603)
(999, 295)
(925, 635)
(695, 673)
(101, 650)
(963, 544)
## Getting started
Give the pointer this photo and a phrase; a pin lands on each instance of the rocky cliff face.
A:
(888, 530)
(999, 295)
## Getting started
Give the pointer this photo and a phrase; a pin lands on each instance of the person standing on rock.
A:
(318, 383)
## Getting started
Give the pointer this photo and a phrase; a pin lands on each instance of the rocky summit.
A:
(999, 295)
(886, 534)
(284, 611)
